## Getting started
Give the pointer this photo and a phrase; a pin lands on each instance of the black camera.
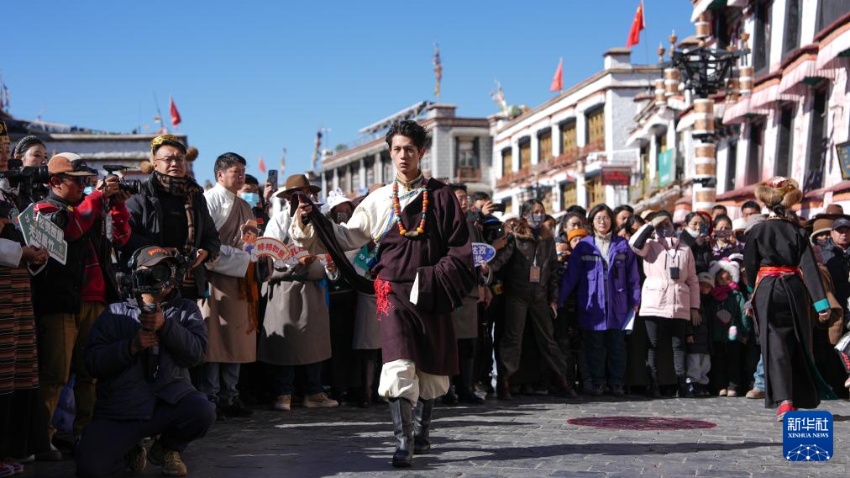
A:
(500, 207)
(154, 280)
(26, 178)
(132, 186)
(492, 229)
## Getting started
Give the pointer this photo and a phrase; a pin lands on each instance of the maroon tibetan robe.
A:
(442, 257)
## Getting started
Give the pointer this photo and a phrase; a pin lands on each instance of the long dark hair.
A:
(528, 205)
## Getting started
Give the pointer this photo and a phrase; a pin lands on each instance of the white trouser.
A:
(400, 379)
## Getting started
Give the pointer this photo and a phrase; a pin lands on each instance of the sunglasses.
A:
(81, 181)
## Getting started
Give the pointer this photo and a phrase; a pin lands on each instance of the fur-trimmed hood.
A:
(523, 231)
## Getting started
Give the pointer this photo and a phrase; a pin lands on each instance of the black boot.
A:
(422, 425)
(402, 412)
(564, 388)
(450, 398)
(654, 391)
(465, 394)
(368, 383)
(503, 389)
(685, 390)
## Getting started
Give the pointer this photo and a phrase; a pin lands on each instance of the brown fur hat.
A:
(779, 190)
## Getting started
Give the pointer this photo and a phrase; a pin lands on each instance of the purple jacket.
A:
(601, 307)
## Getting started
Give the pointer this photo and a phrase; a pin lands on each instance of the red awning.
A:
(736, 113)
(839, 187)
(748, 191)
(833, 45)
(795, 74)
(764, 94)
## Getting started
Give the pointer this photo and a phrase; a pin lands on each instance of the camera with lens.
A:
(132, 186)
(26, 178)
(492, 229)
(154, 279)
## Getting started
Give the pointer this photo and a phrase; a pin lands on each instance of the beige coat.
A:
(230, 311)
(296, 328)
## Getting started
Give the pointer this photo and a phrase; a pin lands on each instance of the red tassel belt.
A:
(382, 297)
(777, 271)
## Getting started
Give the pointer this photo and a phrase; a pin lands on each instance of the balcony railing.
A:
(565, 159)
(466, 174)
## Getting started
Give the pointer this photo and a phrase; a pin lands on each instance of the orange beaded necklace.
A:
(397, 210)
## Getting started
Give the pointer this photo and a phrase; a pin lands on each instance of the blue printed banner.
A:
(482, 253)
(807, 435)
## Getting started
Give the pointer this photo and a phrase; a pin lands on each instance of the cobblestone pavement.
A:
(526, 437)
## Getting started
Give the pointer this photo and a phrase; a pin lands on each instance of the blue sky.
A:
(256, 77)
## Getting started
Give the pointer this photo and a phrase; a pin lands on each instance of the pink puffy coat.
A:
(662, 296)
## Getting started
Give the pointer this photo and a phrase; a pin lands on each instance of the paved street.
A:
(527, 437)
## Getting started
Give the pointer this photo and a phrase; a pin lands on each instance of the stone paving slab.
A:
(526, 437)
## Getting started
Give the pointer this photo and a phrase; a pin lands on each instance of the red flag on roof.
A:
(638, 25)
(558, 80)
(175, 115)
(262, 165)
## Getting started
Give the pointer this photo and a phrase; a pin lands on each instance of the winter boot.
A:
(465, 393)
(503, 389)
(564, 388)
(422, 425)
(402, 412)
(368, 384)
(653, 390)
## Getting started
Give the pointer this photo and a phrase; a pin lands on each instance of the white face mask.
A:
(536, 219)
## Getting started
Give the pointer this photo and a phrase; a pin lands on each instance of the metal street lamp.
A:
(705, 71)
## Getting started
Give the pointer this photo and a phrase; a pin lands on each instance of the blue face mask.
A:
(88, 190)
(251, 198)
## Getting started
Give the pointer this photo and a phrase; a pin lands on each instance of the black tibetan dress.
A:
(779, 260)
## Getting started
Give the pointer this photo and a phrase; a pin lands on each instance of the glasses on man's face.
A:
(574, 224)
(172, 159)
(601, 219)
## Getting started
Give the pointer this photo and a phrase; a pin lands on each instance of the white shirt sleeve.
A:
(10, 253)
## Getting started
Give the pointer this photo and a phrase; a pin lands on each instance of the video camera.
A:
(153, 280)
(25, 178)
(132, 186)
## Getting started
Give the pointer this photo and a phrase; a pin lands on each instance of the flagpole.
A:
(158, 112)
(646, 43)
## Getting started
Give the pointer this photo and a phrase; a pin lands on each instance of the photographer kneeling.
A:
(139, 352)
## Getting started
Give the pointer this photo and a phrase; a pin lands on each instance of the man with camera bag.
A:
(139, 351)
(68, 297)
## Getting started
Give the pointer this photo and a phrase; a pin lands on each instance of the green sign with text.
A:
(666, 168)
(39, 231)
